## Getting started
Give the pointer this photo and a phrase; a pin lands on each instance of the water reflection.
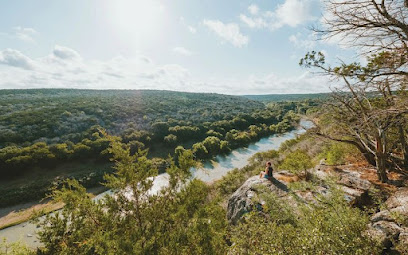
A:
(214, 169)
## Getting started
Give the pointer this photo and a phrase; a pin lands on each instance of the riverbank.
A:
(211, 171)
(17, 214)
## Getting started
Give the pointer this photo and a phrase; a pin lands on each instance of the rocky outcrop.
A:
(246, 198)
(390, 225)
(242, 201)
(351, 182)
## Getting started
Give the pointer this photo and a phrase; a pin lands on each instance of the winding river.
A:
(212, 170)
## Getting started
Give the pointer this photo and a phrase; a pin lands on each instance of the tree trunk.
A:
(381, 169)
(380, 157)
(404, 146)
(369, 157)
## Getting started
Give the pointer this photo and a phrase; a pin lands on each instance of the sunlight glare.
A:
(137, 20)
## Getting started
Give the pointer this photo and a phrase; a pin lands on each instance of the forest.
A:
(44, 131)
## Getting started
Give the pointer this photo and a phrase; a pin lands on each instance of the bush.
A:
(296, 162)
(15, 248)
(336, 153)
(330, 227)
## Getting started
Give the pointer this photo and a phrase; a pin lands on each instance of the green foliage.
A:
(170, 139)
(288, 144)
(214, 133)
(261, 157)
(330, 227)
(13, 248)
(177, 219)
(235, 178)
(302, 186)
(68, 124)
(336, 153)
(184, 133)
(296, 162)
(200, 151)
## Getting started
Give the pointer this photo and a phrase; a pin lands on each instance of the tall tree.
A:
(372, 102)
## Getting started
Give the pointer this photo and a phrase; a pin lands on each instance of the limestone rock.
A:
(384, 225)
(386, 232)
(353, 180)
(399, 199)
(241, 201)
(351, 183)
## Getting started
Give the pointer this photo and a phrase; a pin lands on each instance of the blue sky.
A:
(230, 47)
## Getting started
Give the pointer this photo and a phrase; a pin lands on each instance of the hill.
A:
(287, 97)
(55, 115)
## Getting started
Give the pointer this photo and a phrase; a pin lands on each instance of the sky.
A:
(230, 47)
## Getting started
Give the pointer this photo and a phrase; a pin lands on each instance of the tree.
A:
(297, 162)
(176, 219)
(170, 139)
(200, 151)
(372, 102)
(212, 144)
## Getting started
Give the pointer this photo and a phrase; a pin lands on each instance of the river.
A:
(212, 170)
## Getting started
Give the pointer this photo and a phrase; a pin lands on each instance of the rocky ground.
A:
(388, 221)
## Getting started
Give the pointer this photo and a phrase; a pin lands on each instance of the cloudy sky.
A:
(230, 47)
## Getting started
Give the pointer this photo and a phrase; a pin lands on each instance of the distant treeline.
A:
(288, 97)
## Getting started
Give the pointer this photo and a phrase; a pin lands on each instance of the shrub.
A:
(297, 162)
(330, 227)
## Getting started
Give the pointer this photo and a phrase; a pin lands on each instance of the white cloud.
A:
(65, 68)
(254, 22)
(21, 33)
(307, 43)
(303, 83)
(192, 29)
(290, 13)
(24, 33)
(65, 53)
(229, 32)
(295, 12)
(15, 58)
(140, 72)
(182, 51)
(253, 9)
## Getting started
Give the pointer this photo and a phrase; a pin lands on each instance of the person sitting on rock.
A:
(268, 173)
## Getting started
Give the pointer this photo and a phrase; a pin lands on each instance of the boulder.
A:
(242, 200)
(399, 200)
(351, 183)
(385, 231)
(246, 198)
(353, 180)
(396, 205)
(384, 225)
